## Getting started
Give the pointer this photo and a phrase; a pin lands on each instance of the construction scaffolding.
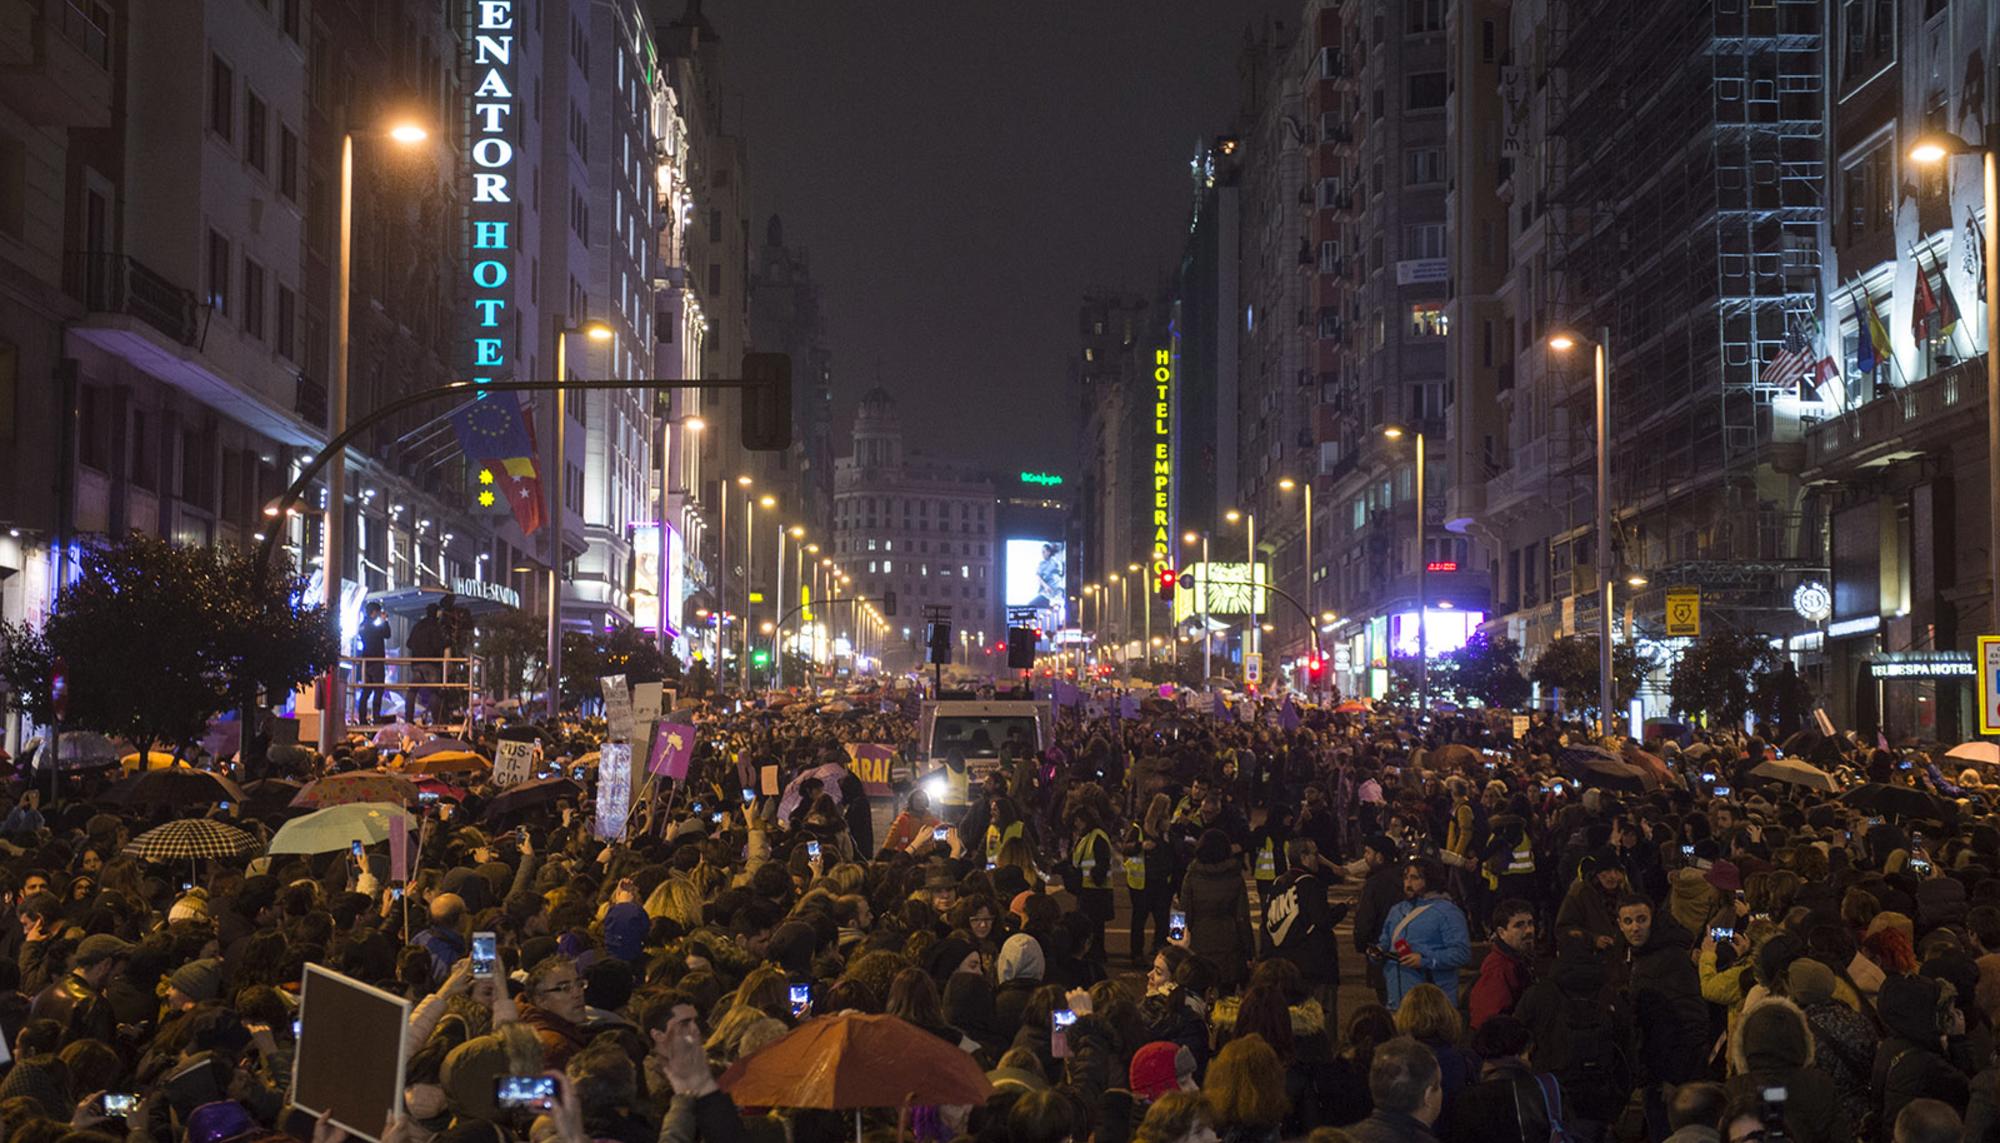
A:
(1686, 166)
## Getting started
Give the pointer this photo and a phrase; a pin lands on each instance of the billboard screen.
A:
(1226, 588)
(1445, 631)
(1034, 578)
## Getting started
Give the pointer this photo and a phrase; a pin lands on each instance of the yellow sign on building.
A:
(1684, 613)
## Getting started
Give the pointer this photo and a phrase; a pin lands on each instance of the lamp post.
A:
(556, 477)
(333, 556)
(1253, 640)
(750, 503)
(1932, 147)
(1397, 432)
(1287, 484)
(690, 424)
(1600, 368)
(722, 576)
(1201, 585)
(778, 609)
(1124, 606)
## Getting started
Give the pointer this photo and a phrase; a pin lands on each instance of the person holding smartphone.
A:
(911, 831)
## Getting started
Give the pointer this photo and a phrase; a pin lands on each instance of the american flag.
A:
(1793, 359)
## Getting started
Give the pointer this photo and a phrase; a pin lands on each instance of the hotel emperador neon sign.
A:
(1163, 450)
(494, 208)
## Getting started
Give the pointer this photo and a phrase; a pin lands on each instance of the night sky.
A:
(961, 171)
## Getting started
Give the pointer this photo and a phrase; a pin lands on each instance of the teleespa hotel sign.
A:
(1163, 451)
(494, 213)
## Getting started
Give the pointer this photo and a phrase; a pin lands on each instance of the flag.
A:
(1788, 366)
(1948, 313)
(493, 434)
(1220, 709)
(1128, 708)
(1975, 252)
(1824, 367)
(1288, 716)
(1864, 350)
(1923, 306)
(1877, 336)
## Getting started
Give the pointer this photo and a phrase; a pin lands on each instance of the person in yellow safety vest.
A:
(1149, 876)
(1093, 859)
(1507, 862)
(1267, 851)
(1003, 828)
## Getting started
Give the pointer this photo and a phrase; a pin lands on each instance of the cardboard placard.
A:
(618, 716)
(673, 749)
(614, 789)
(399, 853)
(1520, 727)
(767, 781)
(646, 699)
(350, 1058)
(513, 762)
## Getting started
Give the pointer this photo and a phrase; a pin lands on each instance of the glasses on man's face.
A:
(563, 986)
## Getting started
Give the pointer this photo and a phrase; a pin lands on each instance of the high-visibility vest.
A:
(1521, 860)
(995, 839)
(1267, 860)
(1084, 856)
(1135, 871)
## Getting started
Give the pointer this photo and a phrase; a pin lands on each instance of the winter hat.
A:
(215, 1122)
(625, 929)
(1771, 1035)
(1159, 1067)
(1809, 982)
(469, 1072)
(1020, 959)
(945, 957)
(198, 980)
(1725, 876)
(100, 947)
(1381, 844)
(192, 906)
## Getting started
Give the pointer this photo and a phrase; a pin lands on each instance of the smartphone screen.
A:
(1722, 791)
(1722, 934)
(801, 997)
(941, 833)
(1177, 925)
(749, 795)
(484, 954)
(396, 893)
(119, 1104)
(1687, 851)
(355, 849)
(812, 850)
(1059, 1023)
(529, 1092)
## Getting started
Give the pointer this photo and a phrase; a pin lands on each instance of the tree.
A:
(1569, 664)
(158, 638)
(1727, 674)
(626, 651)
(1486, 669)
(511, 645)
(700, 679)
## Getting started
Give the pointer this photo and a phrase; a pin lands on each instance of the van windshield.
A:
(981, 735)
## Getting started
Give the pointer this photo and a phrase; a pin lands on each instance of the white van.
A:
(979, 730)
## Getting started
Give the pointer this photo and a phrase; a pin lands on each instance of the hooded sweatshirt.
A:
(1773, 1047)
(1019, 970)
(1692, 902)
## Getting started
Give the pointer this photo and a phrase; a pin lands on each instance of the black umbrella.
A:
(1900, 802)
(178, 786)
(530, 794)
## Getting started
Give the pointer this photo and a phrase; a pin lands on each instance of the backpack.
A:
(1593, 1068)
(1552, 1102)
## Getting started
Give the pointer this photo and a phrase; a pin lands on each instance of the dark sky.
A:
(960, 171)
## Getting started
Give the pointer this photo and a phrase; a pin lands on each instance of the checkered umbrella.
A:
(191, 838)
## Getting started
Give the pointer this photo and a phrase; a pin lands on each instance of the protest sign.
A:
(350, 1057)
(614, 789)
(673, 748)
(513, 762)
(870, 762)
(767, 781)
(617, 708)
(646, 699)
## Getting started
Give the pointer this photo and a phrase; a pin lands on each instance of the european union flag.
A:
(491, 431)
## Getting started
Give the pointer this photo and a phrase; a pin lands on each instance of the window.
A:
(218, 273)
(1868, 192)
(1375, 104)
(1425, 91)
(1426, 404)
(288, 164)
(1424, 240)
(256, 147)
(1427, 319)
(288, 321)
(1867, 38)
(253, 299)
(1425, 16)
(221, 99)
(14, 187)
(715, 226)
(1423, 165)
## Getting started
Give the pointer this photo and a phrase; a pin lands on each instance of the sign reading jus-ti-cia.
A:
(493, 218)
(1163, 450)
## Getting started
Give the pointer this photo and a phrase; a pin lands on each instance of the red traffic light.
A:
(1169, 578)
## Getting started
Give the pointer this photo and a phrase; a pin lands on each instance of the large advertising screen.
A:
(1034, 578)
(1445, 631)
(1222, 589)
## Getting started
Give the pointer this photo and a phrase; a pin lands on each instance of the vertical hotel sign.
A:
(494, 217)
(1163, 451)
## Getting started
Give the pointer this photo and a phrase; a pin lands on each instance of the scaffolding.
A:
(1686, 166)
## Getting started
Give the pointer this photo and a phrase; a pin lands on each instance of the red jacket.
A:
(1503, 977)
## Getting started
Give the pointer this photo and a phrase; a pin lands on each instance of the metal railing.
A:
(121, 284)
(447, 685)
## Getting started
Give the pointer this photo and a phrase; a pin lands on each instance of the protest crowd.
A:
(1180, 922)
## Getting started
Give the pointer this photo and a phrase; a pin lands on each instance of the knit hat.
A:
(1159, 1067)
(1381, 844)
(192, 906)
(1725, 876)
(198, 980)
(945, 956)
(100, 947)
(1809, 982)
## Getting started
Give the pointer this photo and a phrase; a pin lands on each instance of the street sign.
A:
(1684, 613)
(1989, 684)
(1253, 669)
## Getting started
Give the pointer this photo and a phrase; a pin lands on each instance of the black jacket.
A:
(1379, 893)
(1668, 1012)
(1218, 917)
(1298, 926)
(1910, 1063)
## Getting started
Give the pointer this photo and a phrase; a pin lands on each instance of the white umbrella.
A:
(1796, 773)
(1985, 752)
(85, 748)
(337, 827)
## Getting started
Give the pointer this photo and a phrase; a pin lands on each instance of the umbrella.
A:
(1455, 754)
(1987, 753)
(357, 786)
(1352, 706)
(337, 827)
(1900, 801)
(271, 793)
(176, 787)
(155, 760)
(80, 750)
(443, 762)
(829, 777)
(1595, 766)
(441, 745)
(534, 792)
(394, 734)
(1648, 761)
(852, 1061)
(1795, 772)
(190, 838)
(1699, 750)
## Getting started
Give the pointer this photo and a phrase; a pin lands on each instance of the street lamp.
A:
(1933, 147)
(1252, 629)
(1600, 368)
(750, 503)
(778, 609)
(1394, 433)
(1201, 584)
(333, 717)
(1286, 484)
(555, 478)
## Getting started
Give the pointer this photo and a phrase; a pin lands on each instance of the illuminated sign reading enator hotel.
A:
(494, 216)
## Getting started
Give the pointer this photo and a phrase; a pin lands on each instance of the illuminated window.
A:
(1427, 319)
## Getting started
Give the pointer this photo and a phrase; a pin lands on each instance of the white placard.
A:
(646, 699)
(614, 789)
(617, 708)
(513, 762)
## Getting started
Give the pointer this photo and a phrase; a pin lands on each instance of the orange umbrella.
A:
(853, 1061)
(1651, 763)
(444, 762)
(357, 786)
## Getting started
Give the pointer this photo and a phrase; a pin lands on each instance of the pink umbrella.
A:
(829, 776)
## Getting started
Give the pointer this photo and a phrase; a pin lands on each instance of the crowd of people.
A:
(1533, 951)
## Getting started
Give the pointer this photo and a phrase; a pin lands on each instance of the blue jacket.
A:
(446, 947)
(1438, 934)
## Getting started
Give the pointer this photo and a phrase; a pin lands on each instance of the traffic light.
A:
(1316, 669)
(1021, 647)
(1169, 579)
(937, 637)
(767, 402)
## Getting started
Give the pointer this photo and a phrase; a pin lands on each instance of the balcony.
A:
(55, 61)
(118, 284)
(309, 401)
(1918, 418)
